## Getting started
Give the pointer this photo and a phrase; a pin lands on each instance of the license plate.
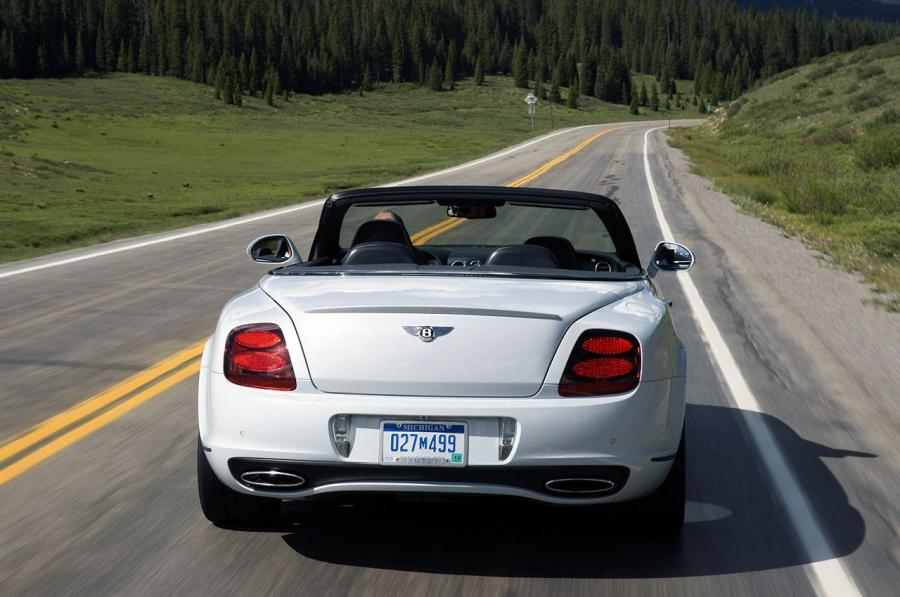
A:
(423, 443)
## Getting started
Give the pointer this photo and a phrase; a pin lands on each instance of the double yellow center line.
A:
(97, 411)
(423, 236)
(65, 428)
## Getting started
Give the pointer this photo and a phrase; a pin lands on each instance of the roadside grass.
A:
(93, 159)
(817, 152)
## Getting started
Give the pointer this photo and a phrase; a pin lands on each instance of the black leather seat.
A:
(380, 253)
(523, 255)
(389, 231)
(382, 231)
(561, 248)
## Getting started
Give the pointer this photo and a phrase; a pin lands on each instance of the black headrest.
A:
(526, 255)
(378, 253)
(381, 231)
(561, 248)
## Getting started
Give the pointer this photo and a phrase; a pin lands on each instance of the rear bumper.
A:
(328, 477)
(627, 439)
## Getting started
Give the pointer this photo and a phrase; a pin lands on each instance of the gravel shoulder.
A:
(850, 345)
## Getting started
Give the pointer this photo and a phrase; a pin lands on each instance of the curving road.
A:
(792, 480)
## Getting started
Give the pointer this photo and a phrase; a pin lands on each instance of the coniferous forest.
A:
(315, 46)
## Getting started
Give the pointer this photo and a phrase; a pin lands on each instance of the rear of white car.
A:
(364, 390)
(527, 355)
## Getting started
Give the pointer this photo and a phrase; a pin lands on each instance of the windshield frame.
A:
(327, 240)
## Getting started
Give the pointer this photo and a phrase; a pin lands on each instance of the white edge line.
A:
(825, 570)
(254, 218)
(157, 241)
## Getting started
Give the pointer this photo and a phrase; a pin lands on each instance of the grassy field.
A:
(88, 160)
(817, 151)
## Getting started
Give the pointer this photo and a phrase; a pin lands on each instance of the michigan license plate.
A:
(423, 443)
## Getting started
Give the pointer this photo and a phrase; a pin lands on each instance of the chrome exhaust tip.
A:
(580, 486)
(271, 479)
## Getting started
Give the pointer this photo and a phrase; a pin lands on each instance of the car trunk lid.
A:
(434, 335)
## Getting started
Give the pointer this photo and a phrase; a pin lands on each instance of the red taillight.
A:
(603, 368)
(607, 345)
(256, 356)
(257, 338)
(602, 362)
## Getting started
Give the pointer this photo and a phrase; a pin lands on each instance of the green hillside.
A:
(817, 151)
(91, 159)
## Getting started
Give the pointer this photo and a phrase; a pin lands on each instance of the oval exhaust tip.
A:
(579, 486)
(272, 479)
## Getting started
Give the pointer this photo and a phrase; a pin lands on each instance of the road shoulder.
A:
(810, 320)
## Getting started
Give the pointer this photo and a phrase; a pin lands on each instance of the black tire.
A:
(224, 506)
(662, 512)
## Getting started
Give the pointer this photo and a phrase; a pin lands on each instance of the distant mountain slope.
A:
(885, 10)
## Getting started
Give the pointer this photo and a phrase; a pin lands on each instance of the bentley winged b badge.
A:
(427, 333)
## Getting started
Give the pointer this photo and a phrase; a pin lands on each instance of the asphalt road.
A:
(116, 510)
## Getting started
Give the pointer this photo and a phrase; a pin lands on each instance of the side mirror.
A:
(274, 249)
(670, 256)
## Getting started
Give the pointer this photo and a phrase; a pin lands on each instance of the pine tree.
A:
(701, 106)
(450, 67)
(434, 76)
(643, 99)
(449, 74)
(237, 94)
(588, 73)
(520, 66)
(11, 61)
(504, 62)
(634, 104)
(423, 74)
(270, 88)
(131, 61)
(479, 72)
(79, 53)
(66, 58)
(122, 60)
(43, 65)
(555, 95)
(100, 49)
(367, 80)
(572, 95)
(253, 72)
(4, 54)
(538, 90)
(145, 60)
(244, 72)
(654, 98)
(227, 89)
(600, 84)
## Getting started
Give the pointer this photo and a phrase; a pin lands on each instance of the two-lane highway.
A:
(787, 492)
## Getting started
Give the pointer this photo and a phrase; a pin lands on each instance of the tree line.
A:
(315, 46)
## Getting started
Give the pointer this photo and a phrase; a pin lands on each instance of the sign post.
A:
(531, 100)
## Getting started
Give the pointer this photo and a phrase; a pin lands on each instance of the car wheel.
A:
(224, 506)
(662, 512)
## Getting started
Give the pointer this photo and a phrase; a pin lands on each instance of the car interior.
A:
(382, 242)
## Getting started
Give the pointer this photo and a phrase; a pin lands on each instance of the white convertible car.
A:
(449, 340)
